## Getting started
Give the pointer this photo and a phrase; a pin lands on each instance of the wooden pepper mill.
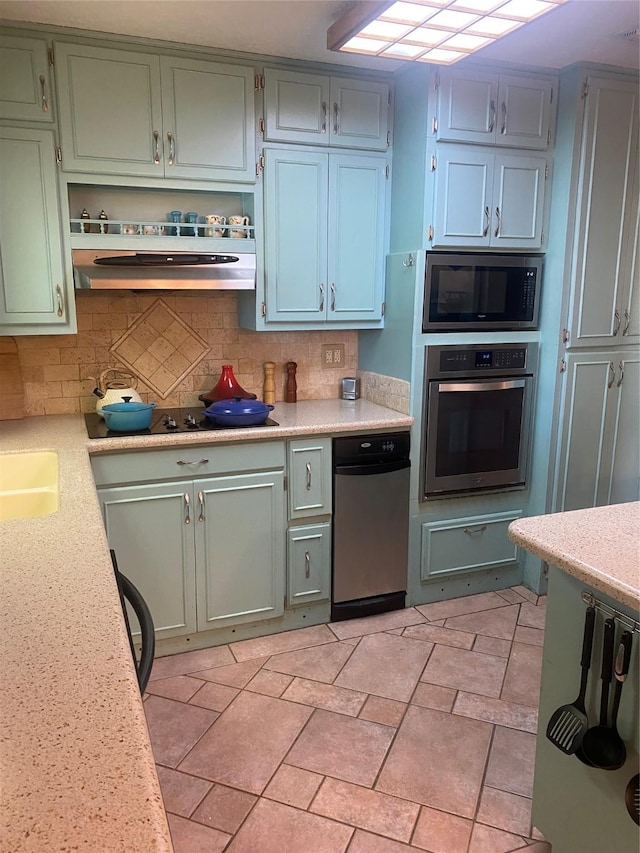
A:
(269, 386)
(291, 395)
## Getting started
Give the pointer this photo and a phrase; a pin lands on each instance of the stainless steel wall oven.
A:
(478, 403)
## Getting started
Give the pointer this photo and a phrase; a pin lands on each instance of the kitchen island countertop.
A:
(78, 770)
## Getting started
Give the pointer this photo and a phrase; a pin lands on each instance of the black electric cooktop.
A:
(165, 421)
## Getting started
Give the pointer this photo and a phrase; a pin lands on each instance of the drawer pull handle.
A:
(43, 99)
(612, 375)
(187, 509)
(616, 322)
(201, 502)
(323, 129)
(307, 564)
(192, 462)
(156, 151)
(172, 150)
(470, 531)
(60, 308)
(308, 467)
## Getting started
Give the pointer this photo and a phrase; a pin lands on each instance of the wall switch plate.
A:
(332, 355)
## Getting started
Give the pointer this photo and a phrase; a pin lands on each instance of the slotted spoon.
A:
(569, 723)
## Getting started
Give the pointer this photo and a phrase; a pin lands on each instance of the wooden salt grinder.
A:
(292, 387)
(269, 387)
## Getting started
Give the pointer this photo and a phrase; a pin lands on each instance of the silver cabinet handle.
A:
(45, 105)
(307, 564)
(492, 120)
(323, 128)
(172, 150)
(616, 322)
(333, 296)
(497, 231)
(192, 461)
(59, 300)
(621, 380)
(156, 152)
(627, 322)
(612, 374)
(503, 128)
(187, 509)
(308, 467)
(485, 230)
(336, 117)
(201, 502)
(322, 297)
(470, 531)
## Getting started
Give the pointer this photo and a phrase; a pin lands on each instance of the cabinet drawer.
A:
(309, 477)
(187, 461)
(308, 563)
(467, 544)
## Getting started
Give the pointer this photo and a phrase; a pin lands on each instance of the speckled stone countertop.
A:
(75, 758)
(600, 546)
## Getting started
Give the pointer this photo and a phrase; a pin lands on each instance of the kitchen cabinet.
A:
(131, 113)
(599, 457)
(25, 81)
(605, 268)
(494, 109)
(321, 110)
(205, 552)
(308, 563)
(309, 473)
(324, 237)
(484, 199)
(36, 294)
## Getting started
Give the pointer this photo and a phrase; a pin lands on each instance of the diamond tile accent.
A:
(160, 349)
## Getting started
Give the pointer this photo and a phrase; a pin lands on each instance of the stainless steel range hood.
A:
(130, 270)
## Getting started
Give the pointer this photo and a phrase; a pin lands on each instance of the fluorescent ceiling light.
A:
(438, 31)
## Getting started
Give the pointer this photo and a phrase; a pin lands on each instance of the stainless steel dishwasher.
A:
(370, 524)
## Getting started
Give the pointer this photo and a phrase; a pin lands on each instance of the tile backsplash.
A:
(59, 371)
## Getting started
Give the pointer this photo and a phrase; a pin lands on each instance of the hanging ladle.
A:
(602, 745)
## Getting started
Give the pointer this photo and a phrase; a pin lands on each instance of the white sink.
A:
(29, 484)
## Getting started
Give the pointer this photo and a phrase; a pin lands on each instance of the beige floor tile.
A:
(538, 847)
(373, 666)
(365, 842)
(287, 641)
(327, 696)
(433, 696)
(385, 711)
(374, 624)
(342, 747)
(513, 596)
(522, 680)
(269, 683)
(511, 761)
(500, 622)
(532, 616)
(443, 636)
(275, 828)
(440, 832)
(505, 811)
(496, 711)
(457, 606)
(438, 760)
(180, 687)
(531, 636)
(191, 662)
(224, 808)
(174, 728)
(248, 742)
(367, 809)
(190, 837)
(293, 786)
(234, 675)
(321, 663)
(181, 793)
(214, 696)
(464, 670)
(492, 646)
(526, 593)
(486, 839)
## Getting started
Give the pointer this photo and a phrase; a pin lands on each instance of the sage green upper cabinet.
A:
(127, 113)
(486, 199)
(35, 297)
(324, 236)
(25, 83)
(321, 110)
(604, 310)
(494, 109)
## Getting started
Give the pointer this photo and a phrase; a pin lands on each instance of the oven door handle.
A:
(444, 387)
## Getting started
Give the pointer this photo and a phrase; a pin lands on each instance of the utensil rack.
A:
(590, 599)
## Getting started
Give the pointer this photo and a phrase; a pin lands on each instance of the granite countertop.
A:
(74, 735)
(600, 546)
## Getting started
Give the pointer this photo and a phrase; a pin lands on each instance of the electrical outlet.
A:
(332, 355)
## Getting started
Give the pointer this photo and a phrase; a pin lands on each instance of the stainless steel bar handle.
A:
(485, 230)
(503, 128)
(201, 502)
(323, 128)
(172, 150)
(187, 509)
(45, 105)
(627, 322)
(308, 467)
(497, 231)
(492, 120)
(470, 531)
(448, 387)
(59, 300)
(156, 153)
(333, 296)
(192, 461)
(322, 297)
(336, 117)
(616, 322)
(621, 380)
(612, 375)
(307, 564)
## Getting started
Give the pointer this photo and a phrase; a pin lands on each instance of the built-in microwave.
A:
(489, 292)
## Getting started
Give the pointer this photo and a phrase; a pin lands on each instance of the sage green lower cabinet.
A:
(309, 472)
(308, 564)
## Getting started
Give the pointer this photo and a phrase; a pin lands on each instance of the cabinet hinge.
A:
(384, 308)
(51, 55)
(542, 238)
(258, 82)
(430, 233)
(285, 483)
(260, 165)
(386, 171)
(548, 141)
(436, 81)
(434, 163)
(388, 138)
(389, 101)
(434, 125)
(585, 88)
(261, 126)
(546, 171)
(563, 365)
(551, 95)
(263, 309)
(565, 336)
(59, 156)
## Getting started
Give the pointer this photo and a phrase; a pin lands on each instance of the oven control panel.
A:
(476, 359)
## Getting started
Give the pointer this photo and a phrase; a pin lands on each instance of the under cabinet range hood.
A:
(130, 270)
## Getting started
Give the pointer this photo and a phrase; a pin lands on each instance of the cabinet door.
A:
(110, 110)
(32, 281)
(467, 105)
(356, 238)
(622, 475)
(359, 114)
(240, 546)
(296, 186)
(146, 526)
(309, 477)
(296, 106)
(630, 270)
(518, 202)
(606, 211)
(25, 83)
(462, 206)
(208, 120)
(308, 564)
(524, 112)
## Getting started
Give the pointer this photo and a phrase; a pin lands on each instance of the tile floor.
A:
(412, 730)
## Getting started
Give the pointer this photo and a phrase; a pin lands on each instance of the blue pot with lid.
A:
(128, 416)
(238, 412)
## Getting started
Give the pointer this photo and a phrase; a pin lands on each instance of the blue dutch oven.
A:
(127, 416)
(238, 412)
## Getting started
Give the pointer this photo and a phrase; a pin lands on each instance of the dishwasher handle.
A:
(372, 468)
